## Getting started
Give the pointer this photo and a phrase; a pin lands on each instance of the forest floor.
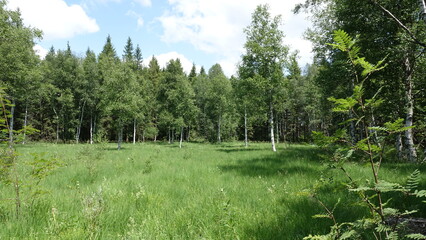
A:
(158, 191)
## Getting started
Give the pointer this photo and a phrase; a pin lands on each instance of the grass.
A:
(158, 191)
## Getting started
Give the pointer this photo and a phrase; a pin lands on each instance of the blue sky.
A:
(203, 32)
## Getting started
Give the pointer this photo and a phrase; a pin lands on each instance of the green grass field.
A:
(158, 191)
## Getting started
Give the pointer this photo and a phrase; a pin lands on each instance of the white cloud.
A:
(40, 51)
(139, 19)
(217, 26)
(164, 58)
(55, 18)
(144, 3)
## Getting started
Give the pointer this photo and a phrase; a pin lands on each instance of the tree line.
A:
(113, 97)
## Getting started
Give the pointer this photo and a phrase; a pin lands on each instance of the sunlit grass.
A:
(158, 191)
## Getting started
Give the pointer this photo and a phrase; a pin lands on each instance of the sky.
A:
(204, 32)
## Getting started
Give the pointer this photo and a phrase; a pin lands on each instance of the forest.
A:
(361, 100)
(113, 97)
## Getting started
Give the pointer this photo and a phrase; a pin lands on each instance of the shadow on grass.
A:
(293, 160)
(295, 220)
(239, 149)
(110, 148)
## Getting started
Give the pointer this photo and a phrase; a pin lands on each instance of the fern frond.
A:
(413, 180)
(416, 236)
(343, 41)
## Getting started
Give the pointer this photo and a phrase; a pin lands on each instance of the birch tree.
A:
(264, 58)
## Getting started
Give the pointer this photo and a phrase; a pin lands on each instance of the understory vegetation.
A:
(154, 191)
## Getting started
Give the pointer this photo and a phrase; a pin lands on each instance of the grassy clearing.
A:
(158, 191)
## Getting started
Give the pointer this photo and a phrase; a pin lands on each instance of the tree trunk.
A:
(170, 137)
(120, 136)
(245, 128)
(278, 132)
(285, 127)
(398, 146)
(57, 125)
(94, 127)
(173, 135)
(134, 131)
(91, 130)
(218, 130)
(25, 123)
(423, 9)
(12, 117)
(181, 137)
(271, 126)
(409, 138)
(77, 136)
(143, 135)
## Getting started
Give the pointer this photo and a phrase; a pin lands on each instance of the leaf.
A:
(390, 211)
(349, 235)
(368, 67)
(421, 193)
(342, 104)
(361, 189)
(383, 129)
(413, 180)
(392, 235)
(343, 41)
(320, 216)
(416, 236)
(383, 228)
(384, 186)
(316, 237)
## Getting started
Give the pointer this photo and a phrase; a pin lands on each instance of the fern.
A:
(416, 236)
(413, 180)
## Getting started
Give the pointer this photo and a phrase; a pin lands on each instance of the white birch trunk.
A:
(271, 126)
(409, 138)
(77, 136)
(12, 117)
(398, 146)
(285, 127)
(25, 123)
(181, 137)
(91, 130)
(423, 9)
(218, 131)
(134, 131)
(245, 128)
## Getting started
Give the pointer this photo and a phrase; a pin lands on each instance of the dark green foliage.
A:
(373, 194)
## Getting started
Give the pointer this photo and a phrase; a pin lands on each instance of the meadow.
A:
(158, 191)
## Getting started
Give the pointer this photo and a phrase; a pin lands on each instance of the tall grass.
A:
(158, 191)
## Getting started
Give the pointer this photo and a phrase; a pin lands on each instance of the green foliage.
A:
(416, 236)
(371, 195)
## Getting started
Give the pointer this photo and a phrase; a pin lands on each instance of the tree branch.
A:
(387, 12)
